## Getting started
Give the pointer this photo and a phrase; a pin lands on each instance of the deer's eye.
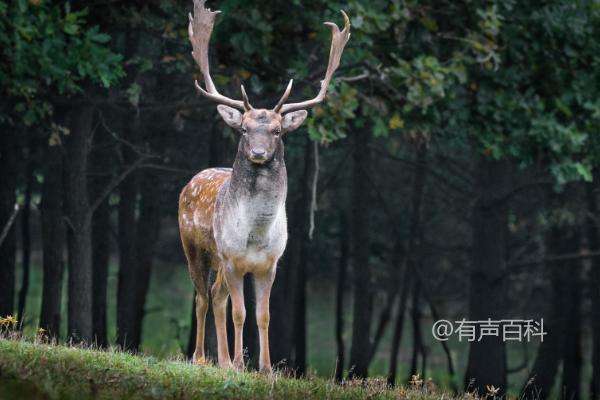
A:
(244, 131)
(277, 131)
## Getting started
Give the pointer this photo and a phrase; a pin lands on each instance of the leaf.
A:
(396, 122)
(134, 93)
(380, 129)
(584, 171)
(429, 23)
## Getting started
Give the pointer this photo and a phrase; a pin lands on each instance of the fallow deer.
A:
(233, 221)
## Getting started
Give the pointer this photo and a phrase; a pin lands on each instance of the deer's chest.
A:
(252, 229)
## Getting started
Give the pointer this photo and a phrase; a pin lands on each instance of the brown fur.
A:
(196, 210)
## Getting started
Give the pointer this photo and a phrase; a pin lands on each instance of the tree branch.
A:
(114, 183)
(9, 223)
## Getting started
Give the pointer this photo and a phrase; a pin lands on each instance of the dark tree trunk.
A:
(282, 305)
(288, 299)
(250, 327)
(101, 161)
(101, 253)
(128, 329)
(410, 248)
(416, 327)
(339, 297)
(361, 323)
(79, 220)
(8, 167)
(398, 330)
(487, 358)
(25, 239)
(593, 217)
(53, 236)
(572, 359)
(300, 312)
(148, 231)
(556, 343)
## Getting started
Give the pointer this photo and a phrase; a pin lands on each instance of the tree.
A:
(54, 53)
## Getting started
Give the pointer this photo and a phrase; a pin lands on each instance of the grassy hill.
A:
(34, 370)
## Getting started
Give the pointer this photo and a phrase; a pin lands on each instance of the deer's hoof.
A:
(238, 363)
(225, 364)
(266, 370)
(199, 360)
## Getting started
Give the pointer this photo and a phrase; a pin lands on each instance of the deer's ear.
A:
(231, 116)
(293, 120)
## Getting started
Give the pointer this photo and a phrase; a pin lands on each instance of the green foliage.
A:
(49, 51)
(330, 121)
(539, 104)
(522, 81)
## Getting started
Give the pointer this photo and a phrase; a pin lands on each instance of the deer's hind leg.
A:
(199, 268)
(220, 295)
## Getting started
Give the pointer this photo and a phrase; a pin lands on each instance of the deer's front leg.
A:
(219, 299)
(262, 284)
(235, 284)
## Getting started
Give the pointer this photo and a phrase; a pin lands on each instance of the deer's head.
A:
(261, 129)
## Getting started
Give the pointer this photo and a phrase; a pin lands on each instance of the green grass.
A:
(34, 370)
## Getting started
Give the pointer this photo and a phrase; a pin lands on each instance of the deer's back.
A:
(197, 207)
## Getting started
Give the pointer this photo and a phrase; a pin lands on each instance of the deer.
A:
(232, 221)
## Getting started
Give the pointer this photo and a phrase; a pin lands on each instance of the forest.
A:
(452, 173)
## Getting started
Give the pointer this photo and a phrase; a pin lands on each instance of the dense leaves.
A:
(49, 50)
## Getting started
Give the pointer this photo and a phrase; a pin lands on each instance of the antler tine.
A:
(338, 42)
(285, 96)
(247, 105)
(199, 30)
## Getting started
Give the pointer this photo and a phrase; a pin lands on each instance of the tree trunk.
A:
(487, 358)
(416, 327)
(102, 161)
(288, 298)
(25, 238)
(250, 327)
(339, 297)
(361, 324)
(572, 359)
(398, 329)
(593, 217)
(149, 224)
(128, 330)
(410, 257)
(300, 312)
(101, 253)
(561, 294)
(8, 166)
(53, 236)
(79, 220)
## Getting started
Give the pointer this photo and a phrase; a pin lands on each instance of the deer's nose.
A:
(258, 152)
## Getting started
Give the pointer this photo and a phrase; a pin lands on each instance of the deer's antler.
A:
(338, 41)
(199, 30)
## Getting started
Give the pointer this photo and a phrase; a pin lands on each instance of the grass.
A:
(30, 370)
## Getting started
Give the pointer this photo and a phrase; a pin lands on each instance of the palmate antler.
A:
(200, 29)
(338, 42)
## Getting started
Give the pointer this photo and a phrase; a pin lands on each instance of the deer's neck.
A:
(259, 189)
